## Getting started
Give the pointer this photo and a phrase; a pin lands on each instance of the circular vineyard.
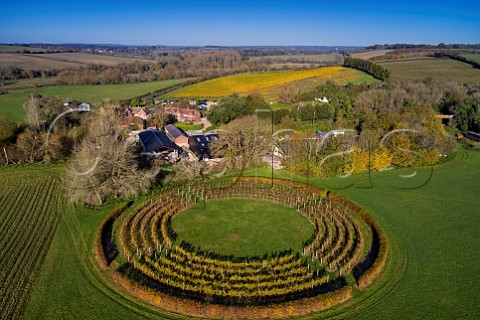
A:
(346, 242)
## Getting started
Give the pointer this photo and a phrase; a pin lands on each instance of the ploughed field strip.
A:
(340, 242)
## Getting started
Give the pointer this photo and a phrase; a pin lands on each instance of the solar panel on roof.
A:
(154, 139)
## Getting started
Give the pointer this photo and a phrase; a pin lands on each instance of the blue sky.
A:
(245, 22)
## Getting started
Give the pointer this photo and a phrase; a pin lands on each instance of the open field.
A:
(29, 83)
(371, 54)
(243, 227)
(58, 61)
(270, 85)
(302, 58)
(300, 61)
(11, 103)
(474, 57)
(10, 49)
(34, 62)
(433, 270)
(86, 58)
(30, 203)
(438, 69)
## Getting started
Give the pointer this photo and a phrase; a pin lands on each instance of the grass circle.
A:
(243, 228)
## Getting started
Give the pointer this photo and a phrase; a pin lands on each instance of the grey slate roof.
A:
(175, 132)
(200, 144)
(154, 139)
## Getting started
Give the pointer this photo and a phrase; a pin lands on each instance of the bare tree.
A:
(32, 109)
(30, 144)
(106, 166)
(160, 117)
(187, 170)
(243, 142)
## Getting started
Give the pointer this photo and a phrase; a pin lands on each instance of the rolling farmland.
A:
(432, 271)
(30, 203)
(300, 60)
(11, 103)
(18, 49)
(267, 84)
(438, 69)
(58, 61)
(371, 54)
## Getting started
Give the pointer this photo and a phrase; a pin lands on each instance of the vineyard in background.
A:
(267, 84)
(30, 203)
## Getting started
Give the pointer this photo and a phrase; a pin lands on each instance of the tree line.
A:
(369, 67)
(179, 65)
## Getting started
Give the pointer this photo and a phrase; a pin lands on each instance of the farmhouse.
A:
(137, 112)
(177, 135)
(185, 115)
(200, 145)
(136, 116)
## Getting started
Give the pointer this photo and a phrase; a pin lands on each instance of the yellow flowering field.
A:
(267, 84)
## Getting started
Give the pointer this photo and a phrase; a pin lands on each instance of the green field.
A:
(438, 69)
(30, 202)
(474, 57)
(243, 227)
(11, 104)
(29, 83)
(433, 270)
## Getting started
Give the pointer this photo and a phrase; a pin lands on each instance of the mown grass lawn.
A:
(243, 228)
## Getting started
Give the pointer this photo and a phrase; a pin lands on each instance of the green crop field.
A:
(30, 203)
(474, 57)
(432, 273)
(243, 227)
(11, 103)
(28, 83)
(438, 69)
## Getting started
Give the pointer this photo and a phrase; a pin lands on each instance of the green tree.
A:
(467, 115)
(254, 102)
(7, 129)
(7, 133)
(228, 109)
(134, 102)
